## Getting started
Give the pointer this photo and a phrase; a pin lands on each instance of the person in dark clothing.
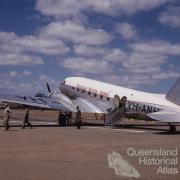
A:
(122, 104)
(26, 120)
(61, 119)
(104, 119)
(78, 118)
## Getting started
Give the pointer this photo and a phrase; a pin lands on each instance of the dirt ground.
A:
(93, 152)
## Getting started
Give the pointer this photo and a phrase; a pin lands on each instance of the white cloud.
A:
(7, 43)
(10, 42)
(127, 80)
(91, 51)
(166, 75)
(19, 59)
(45, 78)
(15, 50)
(13, 74)
(127, 30)
(171, 17)
(136, 80)
(86, 65)
(144, 63)
(141, 65)
(156, 47)
(39, 85)
(76, 33)
(26, 73)
(103, 53)
(41, 45)
(70, 8)
(115, 55)
(8, 85)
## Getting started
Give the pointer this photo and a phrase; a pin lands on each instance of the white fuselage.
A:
(104, 91)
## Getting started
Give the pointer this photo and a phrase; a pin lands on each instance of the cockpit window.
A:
(63, 83)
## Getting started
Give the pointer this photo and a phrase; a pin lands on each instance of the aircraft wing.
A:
(168, 116)
(39, 102)
(61, 102)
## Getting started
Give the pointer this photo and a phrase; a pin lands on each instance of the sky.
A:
(132, 43)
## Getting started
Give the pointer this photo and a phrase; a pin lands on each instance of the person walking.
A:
(26, 120)
(7, 115)
(78, 118)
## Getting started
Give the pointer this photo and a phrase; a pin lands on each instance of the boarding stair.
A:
(114, 116)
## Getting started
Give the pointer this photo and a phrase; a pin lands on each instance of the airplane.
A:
(94, 96)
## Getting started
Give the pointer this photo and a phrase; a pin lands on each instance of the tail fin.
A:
(174, 93)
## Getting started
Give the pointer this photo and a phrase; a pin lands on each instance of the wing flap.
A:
(87, 106)
(91, 106)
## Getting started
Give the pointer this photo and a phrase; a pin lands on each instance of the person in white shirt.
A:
(7, 115)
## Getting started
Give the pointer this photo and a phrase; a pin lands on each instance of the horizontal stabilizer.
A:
(174, 93)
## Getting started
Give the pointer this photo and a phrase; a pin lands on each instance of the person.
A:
(78, 118)
(122, 105)
(61, 119)
(104, 118)
(95, 114)
(26, 120)
(68, 118)
(7, 115)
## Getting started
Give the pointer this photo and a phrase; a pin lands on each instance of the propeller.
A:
(48, 87)
(49, 90)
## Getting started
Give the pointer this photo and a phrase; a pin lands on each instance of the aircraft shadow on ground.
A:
(38, 125)
(149, 127)
(152, 127)
(167, 133)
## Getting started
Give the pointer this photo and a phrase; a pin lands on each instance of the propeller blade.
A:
(48, 87)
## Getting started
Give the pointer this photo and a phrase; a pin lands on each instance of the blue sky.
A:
(134, 43)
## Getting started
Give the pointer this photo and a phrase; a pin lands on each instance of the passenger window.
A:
(101, 96)
(83, 91)
(108, 98)
(95, 94)
(73, 88)
(78, 89)
(89, 93)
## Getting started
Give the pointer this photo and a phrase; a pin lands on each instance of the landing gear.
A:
(172, 129)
